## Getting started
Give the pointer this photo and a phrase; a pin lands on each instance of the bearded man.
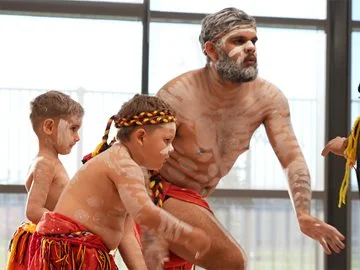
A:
(218, 108)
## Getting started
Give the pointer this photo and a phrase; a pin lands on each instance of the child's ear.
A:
(48, 126)
(140, 134)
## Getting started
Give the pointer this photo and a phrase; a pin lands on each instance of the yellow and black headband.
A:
(146, 118)
(141, 119)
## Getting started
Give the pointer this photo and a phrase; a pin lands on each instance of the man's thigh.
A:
(225, 252)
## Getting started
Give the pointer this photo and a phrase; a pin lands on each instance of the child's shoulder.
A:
(41, 167)
(122, 154)
(45, 159)
(121, 160)
(42, 162)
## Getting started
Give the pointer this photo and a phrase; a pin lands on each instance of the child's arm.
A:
(129, 247)
(129, 180)
(43, 174)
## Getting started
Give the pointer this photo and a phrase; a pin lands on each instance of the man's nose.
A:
(250, 47)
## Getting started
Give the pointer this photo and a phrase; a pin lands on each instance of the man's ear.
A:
(210, 50)
(139, 136)
(48, 126)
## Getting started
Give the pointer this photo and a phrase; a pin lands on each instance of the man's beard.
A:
(231, 71)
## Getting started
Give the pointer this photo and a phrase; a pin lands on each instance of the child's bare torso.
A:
(92, 199)
(110, 187)
(95, 195)
(52, 170)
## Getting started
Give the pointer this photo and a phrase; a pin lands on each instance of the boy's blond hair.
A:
(55, 105)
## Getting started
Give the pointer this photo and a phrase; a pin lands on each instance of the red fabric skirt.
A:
(62, 243)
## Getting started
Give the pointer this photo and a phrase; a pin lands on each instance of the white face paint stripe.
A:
(167, 149)
(238, 50)
(172, 128)
(64, 136)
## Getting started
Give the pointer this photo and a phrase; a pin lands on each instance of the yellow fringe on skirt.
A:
(19, 244)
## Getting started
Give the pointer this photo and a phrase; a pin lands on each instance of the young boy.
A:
(95, 212)
(56, 119)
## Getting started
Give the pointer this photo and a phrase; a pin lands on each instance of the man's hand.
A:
(327, 235)
(336, 146)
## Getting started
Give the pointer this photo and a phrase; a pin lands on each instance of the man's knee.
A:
(237, 260)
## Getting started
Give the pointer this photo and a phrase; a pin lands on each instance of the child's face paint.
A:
(158, 145)
(67, 134)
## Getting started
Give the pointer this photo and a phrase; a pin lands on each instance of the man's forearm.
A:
(299, 187)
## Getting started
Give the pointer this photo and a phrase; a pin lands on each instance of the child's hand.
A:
(155, 251)
(336, 146)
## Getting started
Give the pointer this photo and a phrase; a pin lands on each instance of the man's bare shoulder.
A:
(273, 101)
(178, 83)
(271, 92)
(265, 85)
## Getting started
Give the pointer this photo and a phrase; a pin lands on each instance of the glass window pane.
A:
(304, 86)
(63, 53)
(268, 231)
(356, 10)
(18, 142)
(169, 59)
(12, 211)
(85, 58)
(355, 95)
(274, 8)
(19, 145)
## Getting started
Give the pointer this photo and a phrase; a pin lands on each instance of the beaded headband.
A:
(141, 119)
(146, 118)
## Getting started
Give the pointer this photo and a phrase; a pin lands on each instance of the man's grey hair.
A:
(222, 22)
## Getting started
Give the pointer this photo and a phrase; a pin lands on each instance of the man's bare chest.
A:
(222, 131)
